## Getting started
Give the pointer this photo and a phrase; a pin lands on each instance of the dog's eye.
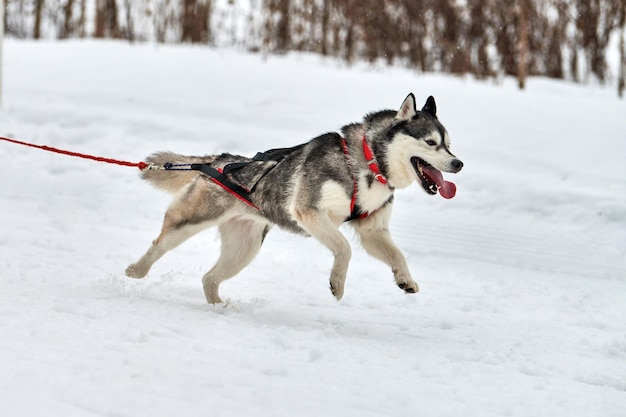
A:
(431, 142)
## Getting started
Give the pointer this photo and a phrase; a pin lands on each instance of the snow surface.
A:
(522, 308)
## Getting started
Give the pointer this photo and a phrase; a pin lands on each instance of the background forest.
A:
(563, 39)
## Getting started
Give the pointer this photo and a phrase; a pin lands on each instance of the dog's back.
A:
(173, 180)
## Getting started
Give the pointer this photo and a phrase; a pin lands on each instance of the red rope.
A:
(140, 165)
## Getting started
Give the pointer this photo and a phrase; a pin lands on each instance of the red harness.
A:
(355, 211)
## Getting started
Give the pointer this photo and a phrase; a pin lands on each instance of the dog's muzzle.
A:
(432, 180)
(456, 165)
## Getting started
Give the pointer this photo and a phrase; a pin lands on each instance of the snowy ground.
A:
(522, 309)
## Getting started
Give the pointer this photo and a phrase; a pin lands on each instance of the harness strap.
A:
(222, 180)
(355, 210)
(220, 176)
(371, 162)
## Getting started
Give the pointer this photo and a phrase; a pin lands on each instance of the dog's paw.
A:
(337, 287)
(213, 298)
(409, 287)
(405, 282)
(134, 272)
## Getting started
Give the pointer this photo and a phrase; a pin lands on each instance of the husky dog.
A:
(310, 189)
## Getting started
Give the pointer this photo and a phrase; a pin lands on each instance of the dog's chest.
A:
(371, 194)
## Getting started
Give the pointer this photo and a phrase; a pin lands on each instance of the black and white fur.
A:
(309, 192)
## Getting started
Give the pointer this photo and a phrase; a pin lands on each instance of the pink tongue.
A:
(447, 189)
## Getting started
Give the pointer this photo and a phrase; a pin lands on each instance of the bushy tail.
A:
(170, 180)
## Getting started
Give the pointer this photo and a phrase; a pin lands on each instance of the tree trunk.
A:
(82, 30)
(522, 44)
(106, 19)
(622, 66)
(282, 27)
(195, 21)
(99, 20)
(68, 27)
(130, 30)
(621, 82)
(325, 26)
(37, 28)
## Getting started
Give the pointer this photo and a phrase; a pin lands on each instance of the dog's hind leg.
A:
(186, 216)
(377, 242)
(167, 240)
(320, 226)
(241, 242)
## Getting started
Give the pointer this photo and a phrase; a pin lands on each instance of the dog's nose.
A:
(457, 164)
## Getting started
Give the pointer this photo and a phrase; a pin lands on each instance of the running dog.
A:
(310, 189)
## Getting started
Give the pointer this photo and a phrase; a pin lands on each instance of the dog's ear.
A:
(407, 109)
(430, 107)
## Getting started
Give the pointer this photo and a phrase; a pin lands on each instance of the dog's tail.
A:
(172, 180)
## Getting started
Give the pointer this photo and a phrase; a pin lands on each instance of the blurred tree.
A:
(479, 34)
(347, 33)
(106, 23)
(414, 33)
(129, 32)
(71, 19)
(325, 27)
(68, 27)
(83, 19)
(621, 78)
(449, 51)
(37, 24)
(277, 26)
(596, 20)
(505, 37)
(523, 14)
(195, 21)
(556, 39)
(158, 12)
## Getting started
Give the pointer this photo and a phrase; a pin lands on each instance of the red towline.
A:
(140, 165)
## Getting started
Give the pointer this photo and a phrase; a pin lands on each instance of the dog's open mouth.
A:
(432, 179)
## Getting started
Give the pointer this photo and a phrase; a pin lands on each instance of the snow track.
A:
(512, 245)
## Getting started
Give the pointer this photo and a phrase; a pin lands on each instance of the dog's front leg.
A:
(376, 240)
(319, 225)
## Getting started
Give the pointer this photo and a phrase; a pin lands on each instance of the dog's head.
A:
(419, 149)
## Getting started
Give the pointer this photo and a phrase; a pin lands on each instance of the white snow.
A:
(522, 308)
